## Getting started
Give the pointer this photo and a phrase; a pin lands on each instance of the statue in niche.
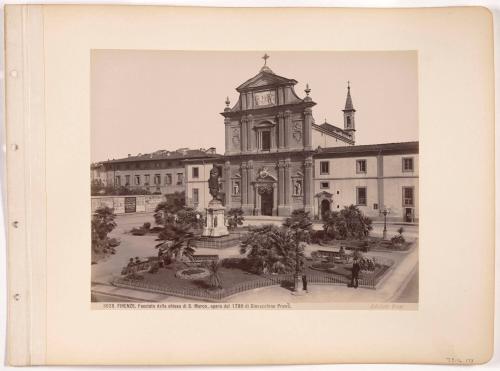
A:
(298, 188)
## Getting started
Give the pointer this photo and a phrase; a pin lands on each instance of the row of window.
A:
(147, 179)
(147, 165)
(362, 198)
(361, 195)
(407, 166)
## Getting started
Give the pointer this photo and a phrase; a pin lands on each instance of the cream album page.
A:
(191, 185)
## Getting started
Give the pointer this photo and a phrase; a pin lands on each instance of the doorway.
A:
(267, 203)
(408, 215)
(325, 208)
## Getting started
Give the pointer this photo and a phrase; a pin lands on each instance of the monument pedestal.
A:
(215, 220)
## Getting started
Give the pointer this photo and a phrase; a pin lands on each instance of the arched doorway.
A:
(325, 208)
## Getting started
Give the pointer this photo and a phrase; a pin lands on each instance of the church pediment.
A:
(265, 79)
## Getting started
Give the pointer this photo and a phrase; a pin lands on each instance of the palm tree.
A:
(177, 241)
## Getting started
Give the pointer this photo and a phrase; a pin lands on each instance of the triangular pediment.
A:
(265, 79)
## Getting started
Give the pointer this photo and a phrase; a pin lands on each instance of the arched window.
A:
(348, 120)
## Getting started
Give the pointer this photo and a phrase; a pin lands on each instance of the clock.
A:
(265, 98)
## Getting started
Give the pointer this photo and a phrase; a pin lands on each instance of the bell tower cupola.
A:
(349, 111)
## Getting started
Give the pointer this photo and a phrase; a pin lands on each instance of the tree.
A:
(235, 217)
(102, 223)
(177, 241)
(301, 224)
(273, 249)
(349, 223)
(165, 211)
(215, 277)
(190, 216)
(258, 247)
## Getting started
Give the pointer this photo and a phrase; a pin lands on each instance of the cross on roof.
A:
(265, 58)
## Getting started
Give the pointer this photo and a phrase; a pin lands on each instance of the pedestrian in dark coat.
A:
(355, 273)
(304, 282)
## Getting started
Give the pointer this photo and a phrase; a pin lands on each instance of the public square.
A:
(398, 285)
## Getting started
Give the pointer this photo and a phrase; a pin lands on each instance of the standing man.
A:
(355, 273)
(304, 282)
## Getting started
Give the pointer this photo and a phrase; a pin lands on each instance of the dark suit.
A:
(355, 274)
(304, 282)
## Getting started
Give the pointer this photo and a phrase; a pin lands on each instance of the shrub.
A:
(235, 217)
(349, 223)
(113, 242)
(146, 226)
(138, 231)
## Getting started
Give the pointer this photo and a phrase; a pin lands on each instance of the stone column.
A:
(287, 129)
(250, 188)
(307, 128)
(227, 183)
(249, 133)
(275, 200)
(243, 134)
(308, 179)
(288, 193)
(281, 130)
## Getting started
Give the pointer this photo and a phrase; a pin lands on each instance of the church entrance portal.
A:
(266, 207)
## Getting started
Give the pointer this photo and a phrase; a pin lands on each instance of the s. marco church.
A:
(278, 159)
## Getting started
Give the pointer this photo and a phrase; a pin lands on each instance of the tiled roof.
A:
(411, 147)
(180, 154)
(332, 128)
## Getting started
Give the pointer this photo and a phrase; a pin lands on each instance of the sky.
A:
(143, 101)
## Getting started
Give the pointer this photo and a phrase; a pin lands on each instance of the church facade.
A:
(277, 159)
(268, 167)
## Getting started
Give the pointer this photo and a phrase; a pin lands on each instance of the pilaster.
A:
(308, 179)
(281, 130)
(243, 131)
(307, 128)
(227, 183)
(288, 129)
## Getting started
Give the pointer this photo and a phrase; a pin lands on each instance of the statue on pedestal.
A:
(215, 225)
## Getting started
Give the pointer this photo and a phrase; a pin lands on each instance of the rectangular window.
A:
(360, 166)
(361, 196)
(157, 179)
(118, 181)
(180, 177)
(324, 167)
(324, 185)
(375, 206)
(168, 179)
(195, 172)
(196, 196)
(127, 180)
(407, 164)
(137, 180)
(146, 180)
(408, 197)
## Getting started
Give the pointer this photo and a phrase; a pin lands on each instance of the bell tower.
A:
(349, 111)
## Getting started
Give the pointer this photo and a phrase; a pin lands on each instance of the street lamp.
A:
(384, 235)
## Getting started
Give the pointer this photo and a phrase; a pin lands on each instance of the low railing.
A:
(218, 295)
